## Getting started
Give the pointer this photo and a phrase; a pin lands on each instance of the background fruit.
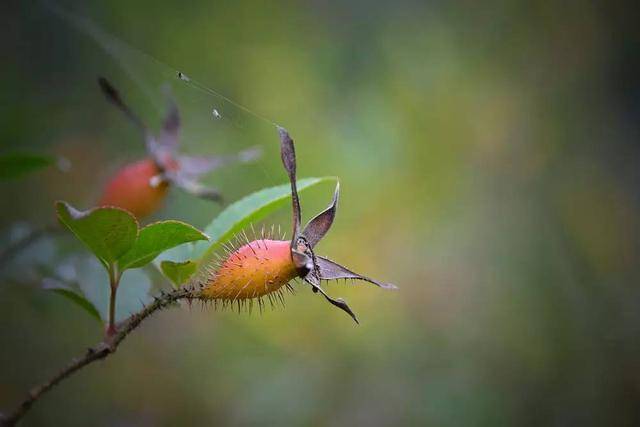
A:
(130, 189)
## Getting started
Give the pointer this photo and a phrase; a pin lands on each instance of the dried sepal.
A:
(338, 302)
(196, 166)
(194, 187)
(169, 134)
(311, 267)
(113, 96)
(330, 270)
(316, 229)
(288, 155)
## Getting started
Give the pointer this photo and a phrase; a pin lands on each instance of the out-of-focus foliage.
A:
(488, 159)
(77, 299)
(20, 164)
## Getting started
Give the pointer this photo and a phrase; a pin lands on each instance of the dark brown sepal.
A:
(288, 155)
(194, 187)
(151, 144)
(316, 229)
(330, 270)
(113, 96)
(196, 166)
(169, 134)
(338, 302)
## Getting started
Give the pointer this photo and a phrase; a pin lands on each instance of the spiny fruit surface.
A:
(253, 270)
(130, 189)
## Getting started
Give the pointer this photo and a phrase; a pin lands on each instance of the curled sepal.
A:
(288, 155)
(195, 166)
(316, 229)
(169, 134)
(338, 302)
(194, 187)
(330, 270)
(113, 96)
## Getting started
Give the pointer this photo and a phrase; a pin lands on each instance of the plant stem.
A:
(97, 352)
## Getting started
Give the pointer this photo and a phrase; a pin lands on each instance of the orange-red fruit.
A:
(130, 189)
(255, 269)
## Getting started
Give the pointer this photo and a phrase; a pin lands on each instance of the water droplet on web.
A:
(216, 114)
(182, 76)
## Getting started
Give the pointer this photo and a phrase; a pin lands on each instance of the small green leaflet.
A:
(178, 272)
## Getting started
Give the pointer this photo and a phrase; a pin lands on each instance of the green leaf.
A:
(157, 238)
(108, 232)
(16, 165)
(78, 300)
(251, 208)
(178, 272)
(72, 293)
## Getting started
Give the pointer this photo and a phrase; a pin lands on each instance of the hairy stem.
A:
(98, 352)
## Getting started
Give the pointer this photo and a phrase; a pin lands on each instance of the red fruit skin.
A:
(254, 270)
(130, 189)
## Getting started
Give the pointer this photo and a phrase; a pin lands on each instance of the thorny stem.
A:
(99, 351)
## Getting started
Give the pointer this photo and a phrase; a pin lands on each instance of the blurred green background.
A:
(488, 155)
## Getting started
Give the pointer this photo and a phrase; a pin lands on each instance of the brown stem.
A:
(97, 352)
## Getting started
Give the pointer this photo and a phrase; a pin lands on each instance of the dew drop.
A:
(216, 114)
(63, 164)
(155, 181)
(183, 77)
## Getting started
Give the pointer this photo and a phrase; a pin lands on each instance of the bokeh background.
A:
(489, 161)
